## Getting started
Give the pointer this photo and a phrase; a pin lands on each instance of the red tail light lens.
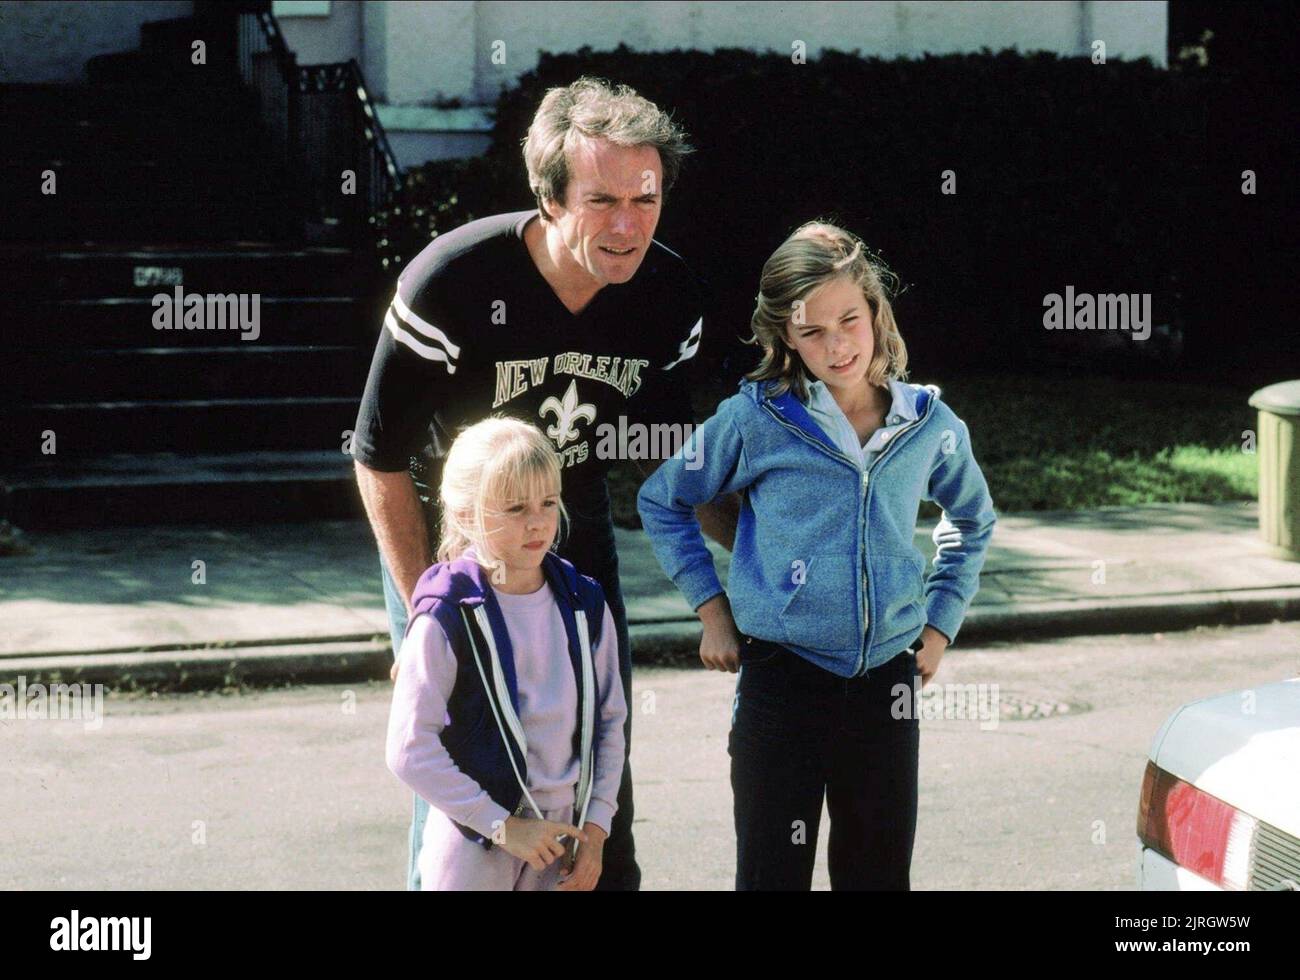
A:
(1194, 830)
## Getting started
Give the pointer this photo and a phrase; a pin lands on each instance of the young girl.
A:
(508, 710)
(827, 609)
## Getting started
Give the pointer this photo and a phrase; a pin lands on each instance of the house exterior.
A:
(435, 68)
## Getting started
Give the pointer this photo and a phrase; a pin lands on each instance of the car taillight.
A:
(1195, 830)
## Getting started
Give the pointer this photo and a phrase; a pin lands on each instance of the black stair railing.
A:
(385, 177)
(269, 70)
(324, 129)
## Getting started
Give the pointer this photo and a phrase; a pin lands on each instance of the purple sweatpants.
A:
(449, 861)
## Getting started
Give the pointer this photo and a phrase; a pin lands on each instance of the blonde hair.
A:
(813, 255)
(591, 108)
(492, 464)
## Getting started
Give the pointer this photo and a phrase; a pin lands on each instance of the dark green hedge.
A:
(1122, 177)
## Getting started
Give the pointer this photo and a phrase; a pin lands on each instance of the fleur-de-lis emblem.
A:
(566, 413)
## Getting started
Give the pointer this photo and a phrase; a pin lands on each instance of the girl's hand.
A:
(584, 874)
(933, 646)
(535, 841)
(720, 644)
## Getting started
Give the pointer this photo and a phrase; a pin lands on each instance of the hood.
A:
(790, 408)
(756, 391)
(751, 389)
(463, 581)
(467, 583)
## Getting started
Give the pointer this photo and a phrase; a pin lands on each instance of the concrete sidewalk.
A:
(302, 602)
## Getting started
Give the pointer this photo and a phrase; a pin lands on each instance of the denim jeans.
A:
(589, 545)
(800, 734)
(397, 618)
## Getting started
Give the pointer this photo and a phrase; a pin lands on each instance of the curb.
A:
(678, 642)
(181, 671)
(664, 643)
(1147, 614)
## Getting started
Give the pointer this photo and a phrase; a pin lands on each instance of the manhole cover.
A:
(1013, 706)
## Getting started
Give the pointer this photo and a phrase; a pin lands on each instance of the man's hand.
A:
(720, 644)
(718, 518)
(585, 872)
(537, 841)
(933, 646)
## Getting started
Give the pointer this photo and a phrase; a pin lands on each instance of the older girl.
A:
(829, 614)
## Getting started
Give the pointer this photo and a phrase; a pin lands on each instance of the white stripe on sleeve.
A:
(423, 326)
(424, 350)
(687, 348)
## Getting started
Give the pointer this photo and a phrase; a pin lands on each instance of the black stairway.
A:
(161, 182)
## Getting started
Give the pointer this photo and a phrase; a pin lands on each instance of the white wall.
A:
(324, 40)
(414, 51)
(417, 53)
(907, 28)
(429, 49)
(50, 41)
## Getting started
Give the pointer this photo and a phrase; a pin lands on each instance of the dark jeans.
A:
(590, 547)
(800, 733)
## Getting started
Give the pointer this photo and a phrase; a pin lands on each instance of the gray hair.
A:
(591, 108)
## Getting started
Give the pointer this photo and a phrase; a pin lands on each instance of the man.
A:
(569, 316)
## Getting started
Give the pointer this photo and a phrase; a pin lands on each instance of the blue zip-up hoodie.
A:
(812, 521)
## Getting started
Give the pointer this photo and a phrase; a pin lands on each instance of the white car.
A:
(1220, 807)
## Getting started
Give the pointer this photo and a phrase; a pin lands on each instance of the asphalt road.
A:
(287, 788)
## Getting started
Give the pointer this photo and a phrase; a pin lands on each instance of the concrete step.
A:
(116, 210)
(142, 173)
(178, 220)
(249, 370)
(188, 426)
(117, 271)
(183, 131)
(179, 161)
(159, 68)
(171, 488)
(128, 321)
(117, 102)
(197, 144)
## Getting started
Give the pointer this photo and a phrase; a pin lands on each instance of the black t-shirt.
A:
(475, 330)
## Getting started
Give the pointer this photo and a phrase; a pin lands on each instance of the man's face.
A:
(610, 210)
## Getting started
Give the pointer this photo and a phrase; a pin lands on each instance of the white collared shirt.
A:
(828, 414)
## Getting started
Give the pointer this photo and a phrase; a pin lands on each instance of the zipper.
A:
(862, 536)
(866, 489)
(506, 719)
(864, 620)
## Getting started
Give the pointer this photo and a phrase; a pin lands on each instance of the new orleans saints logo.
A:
(566, 412)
